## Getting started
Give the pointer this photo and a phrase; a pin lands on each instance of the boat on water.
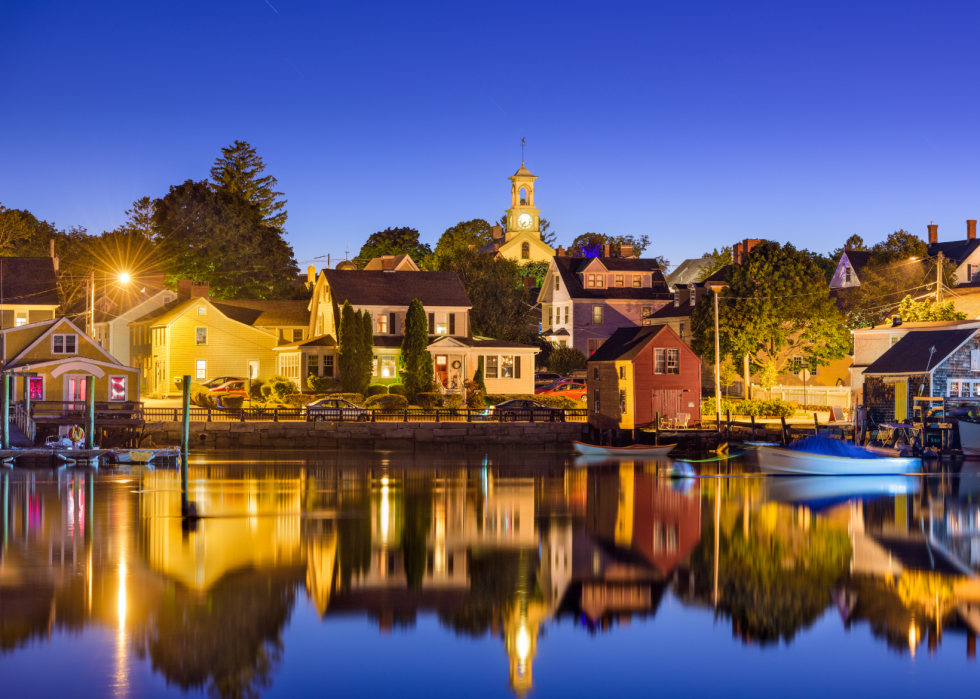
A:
(632, 452)
(969, 437)
(822, 456)
(142, 456)
(830, 490)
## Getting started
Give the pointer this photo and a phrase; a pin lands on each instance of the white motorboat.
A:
(631, 452)
(969, 438)
(142, 456)
(782, 461)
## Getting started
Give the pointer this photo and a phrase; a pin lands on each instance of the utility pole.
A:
(91, 301)
(939, 278)
(717, 366)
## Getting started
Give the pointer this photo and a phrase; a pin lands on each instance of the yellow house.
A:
(51, 359)
(522, 239)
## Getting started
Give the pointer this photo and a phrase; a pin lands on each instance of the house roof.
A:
(29, 281)
(375, 288)
(858, 259)
(395, 341)
(378, 263)
(569, 268)
(257, 313)
(718, 277)
(129, 302)
(318, 341)
(687, 271)
(956, 250)
(560, 332)
(912, 355)
(684, 310)
(919, 325)
(626, 343)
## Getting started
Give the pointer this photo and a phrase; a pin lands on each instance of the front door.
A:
(667, 403)
(442, 369)
(253, 368)
(901, 401)
(160, 373)
(75, 391)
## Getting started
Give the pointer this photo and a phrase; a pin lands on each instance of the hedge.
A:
(298, 400)
(377, 389)
(232, 402)
(398, 389)
(751, 408)
(356, 398)
(429, 400)
(386, 401)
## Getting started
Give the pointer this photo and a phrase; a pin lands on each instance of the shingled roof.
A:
(29, 281)
(370, 288)
(955, 250)
(569, 268)
(257, 313)
(626, 343)
(912, 355)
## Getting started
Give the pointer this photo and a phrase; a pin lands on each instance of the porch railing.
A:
(365, 415)
(24, 421)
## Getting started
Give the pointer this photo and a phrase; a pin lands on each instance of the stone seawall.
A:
(405, 436)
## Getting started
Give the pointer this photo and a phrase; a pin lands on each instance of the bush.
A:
(321, 384)
(566, 359)
(200, 396)
(254, 388)
(266, 391)
(281, 387)
(452, 400)
(355, 398)
(232, 402)
(377, 389)
(474, 400)
(429, 400)
(386, 401)
(750, 408)
(398, 389)
(298, 400)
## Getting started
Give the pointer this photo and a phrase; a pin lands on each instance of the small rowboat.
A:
(632, 452)
(781, 461)
(142, 456)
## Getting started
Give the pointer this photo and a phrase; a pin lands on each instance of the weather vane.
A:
(522, 150)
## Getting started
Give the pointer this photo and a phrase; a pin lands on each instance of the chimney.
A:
(626, 250)
(847, 247)
(896, 321)
(471, 247)
(530, 283)
(388, 263)
(605, 250)
(560, 251)
(311, 274)
(187, 289)
(971, 229)
(741, 250)
(498, 233)
(933, 233)
(737, 253)
(496, 248)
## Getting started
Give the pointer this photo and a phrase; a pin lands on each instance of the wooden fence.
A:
(814, 395)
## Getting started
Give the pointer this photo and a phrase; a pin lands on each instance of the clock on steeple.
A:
(522, 216)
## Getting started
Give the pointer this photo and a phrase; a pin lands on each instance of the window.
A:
(563, 343)
(507, 367)
(556, 282)
(673, 361)
(974, 360)
(374, 366)
(622, 400)
(566, 315)
(289, 365)
(591, 281)
(659, 361)
(692, 297)
(442, 323)
(600, 280)
(797, 363)
(894, 339)
(388, 366)
(647, 311)
(36, 384)
(64, 344)
(597, 315)
(491, 362)
(381, 324)
(201, 367)
(595, 373)
(202, 310)
(551, 319)
(297, 335)
(20, 319)
(167, 299)
(847, 275)
(963, 388)
(201, 336)
(525, 251)
(619, 280)
(622, 373)
(328, 365)
(594, 345)
(595, 401)
(681, 333)
(312, 365)
(117, 388)
(677, 299)
(969, 273)
(637, 281)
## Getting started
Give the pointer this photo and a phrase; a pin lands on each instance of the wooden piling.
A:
(816, 425)
(752, 418)
(185, 425)
(90, 412)
(783, 421)
(656, 434)
(728, 416)
(5, 403)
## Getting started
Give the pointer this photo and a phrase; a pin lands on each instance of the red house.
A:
(640, 372)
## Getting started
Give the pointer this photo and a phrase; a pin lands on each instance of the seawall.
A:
(404, 436)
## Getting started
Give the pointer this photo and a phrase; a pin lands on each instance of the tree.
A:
(237, 171)
(900, 245)
(717, 259)
(564, 360)
(776, 306)
(366, 351)
(729, 374)
(928, 310)
(548, 238)
(349, 350)
(394, 241)
(478, 378)
(220, 237)
(457, 240)
(591, 245)
(855, 242)
(537, 270)
(139, 219)
(15, 229)
(415, 359)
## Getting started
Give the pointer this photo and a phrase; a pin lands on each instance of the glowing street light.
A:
(124, 277)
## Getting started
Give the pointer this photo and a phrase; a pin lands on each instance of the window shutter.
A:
(392, 330)
(432, 323)
(975, 360)
(452, 323)
(517, 366)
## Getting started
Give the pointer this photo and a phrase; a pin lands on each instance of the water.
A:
(364, 574)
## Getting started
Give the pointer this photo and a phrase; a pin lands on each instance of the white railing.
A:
(24, 421)
(814, 395)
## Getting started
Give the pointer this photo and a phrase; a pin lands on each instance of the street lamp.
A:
(124, 277)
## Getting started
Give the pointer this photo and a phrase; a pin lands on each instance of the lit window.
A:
(37, 387)
(202, 310)
(597, 315)
(673, 361)
(328, 365)
(637, 281)
(202, 368)
(659, 361)
(297, 335)
(64, 344)
(388, 366)
(374, 366)
(381, 325)
(622, 373)
(442, 323)
(566, 315)
(20, 319)
(491, 367)
(619, 280)
(201, 336)
(622, 400)
(507, 367)
(117, 388)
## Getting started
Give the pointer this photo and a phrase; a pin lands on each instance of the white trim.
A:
(108, 388)
(77, 366)
(44, 385)
(73, 358)
(50, 331)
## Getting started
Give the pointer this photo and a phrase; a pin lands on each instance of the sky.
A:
(697, 124)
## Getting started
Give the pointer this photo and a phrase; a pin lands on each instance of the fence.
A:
(814, 395)
(367, 415)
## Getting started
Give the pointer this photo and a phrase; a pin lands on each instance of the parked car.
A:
(571, 389)
(550, 386)
(544, 378)
(220, 380)
(523, 409)
(234, 387)
(579, 374)
(336, 409)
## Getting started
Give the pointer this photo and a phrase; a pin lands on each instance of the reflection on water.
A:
(507, 551)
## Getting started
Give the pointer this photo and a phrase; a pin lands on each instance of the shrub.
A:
(377, 389)
(429, 400)
(566, 359)
(386, 401)
(266, 391)
(398, 389)
(282, 387)
(298, 400)
(356, 398)
(452, 400)
(232, 402)
(254, 388)
(321, 384)
(750, 408)
(474, 400)
(200, 396)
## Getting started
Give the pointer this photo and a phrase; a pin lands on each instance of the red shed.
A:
(640, 372)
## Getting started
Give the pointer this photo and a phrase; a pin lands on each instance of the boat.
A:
(782, 460)
(969, 437)
(631, 452)
(830, 490)
(142, 456)
(86, 456)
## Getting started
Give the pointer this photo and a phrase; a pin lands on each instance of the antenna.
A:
(522, 149)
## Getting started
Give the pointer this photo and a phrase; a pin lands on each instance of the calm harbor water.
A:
(365, 574)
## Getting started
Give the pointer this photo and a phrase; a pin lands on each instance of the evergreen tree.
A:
(478, 376)
(367, 351)
(349, 344)
(139, 219)
(237, 172)
(415, 358)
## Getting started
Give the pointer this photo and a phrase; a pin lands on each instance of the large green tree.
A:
(220, 237)
(457, 240)
(415, 359)
(238, 170)
(139, 219)
(591, 244)
(16, 228)
(776, 306)
(366, 351)
(394, 241)
(716, 260)
(349, 350)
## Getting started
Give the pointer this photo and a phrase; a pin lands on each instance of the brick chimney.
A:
(530, 283)
(605, 250)
(497, 233)
(848, 247)
(626, 251)
(560, 251)
(311, 274)
(388, 263)
(740, 251)
(933, 233)
(971, 229)
(188, 289)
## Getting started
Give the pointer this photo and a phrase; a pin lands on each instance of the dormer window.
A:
(693, 297)
(847, 275)
(619, 280)
(591, 281)
(677, 298)
(637, 281)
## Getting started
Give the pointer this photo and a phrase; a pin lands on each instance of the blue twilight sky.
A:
(695, 123)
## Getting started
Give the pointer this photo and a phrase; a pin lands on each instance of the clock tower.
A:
(523, 215)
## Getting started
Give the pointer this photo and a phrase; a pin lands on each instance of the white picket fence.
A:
(815, 395)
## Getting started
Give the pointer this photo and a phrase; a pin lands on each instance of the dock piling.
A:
(90, 412)
(5, 402)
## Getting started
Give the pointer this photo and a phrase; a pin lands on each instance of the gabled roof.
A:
(687, 271)
(130, 302)
(373, 288)
(257, 313)
(626, 343)
(318, 341)
(52, 324)
(719, 277)
(955, 250)
(858, 259)
(912, 354)
(568, 268)
(684, 310)
(29, 281)
(399, 263)
(560, 332)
